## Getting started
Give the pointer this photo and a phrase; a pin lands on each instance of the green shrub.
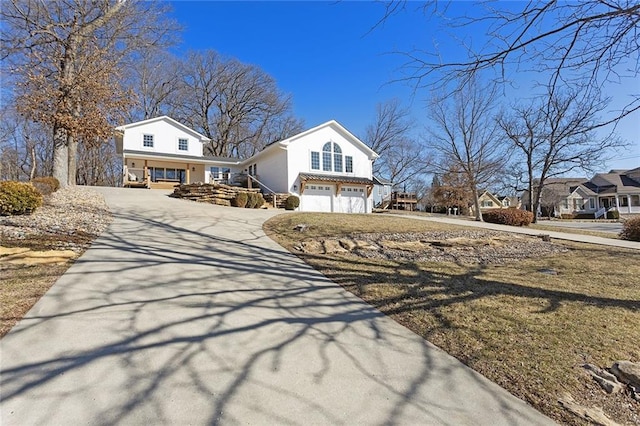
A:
(240, 200)
(510, 216)
(613, 214)
(259, 200)
(631, 229)
(292, 202)
(251, 199)
(46, 185)
(18, 198)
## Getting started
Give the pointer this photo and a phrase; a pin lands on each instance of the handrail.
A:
(601, 212)
(262, 184)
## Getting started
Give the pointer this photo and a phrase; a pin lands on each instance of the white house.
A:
(326, 166)
(161, 152)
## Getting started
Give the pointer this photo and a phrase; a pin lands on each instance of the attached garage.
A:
(318, 198)
(331, 193)
(352, 199)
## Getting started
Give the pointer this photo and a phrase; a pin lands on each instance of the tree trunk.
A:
(476, 203)
(34, 163)
(60, 154)
(72, 147)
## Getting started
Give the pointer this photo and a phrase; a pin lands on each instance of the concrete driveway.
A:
(184, 313)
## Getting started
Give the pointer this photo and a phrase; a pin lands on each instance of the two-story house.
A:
(326, 166)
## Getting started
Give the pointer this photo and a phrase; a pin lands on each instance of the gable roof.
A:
(169, 120)
(331, 123)
(615, 182)
(490, 196)
(381, 181)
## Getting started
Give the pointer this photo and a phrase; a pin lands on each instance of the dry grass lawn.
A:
(22, 286)
(526, 330)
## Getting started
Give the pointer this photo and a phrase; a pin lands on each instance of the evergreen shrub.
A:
(240, 200)
(46, 185)
(292, 202)
(18, 198)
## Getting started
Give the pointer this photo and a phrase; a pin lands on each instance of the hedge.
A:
(510, 216)
(46, 185)
(292, 202)
(631, 229)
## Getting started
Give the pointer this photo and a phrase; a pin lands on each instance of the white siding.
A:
(272, 170)
(299, 151)
(165, 139)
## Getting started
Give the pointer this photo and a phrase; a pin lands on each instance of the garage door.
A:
(353, 199)
(317, 198)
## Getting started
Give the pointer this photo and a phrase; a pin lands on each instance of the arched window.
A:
(337, 158)
(332, 157)
(326, 157)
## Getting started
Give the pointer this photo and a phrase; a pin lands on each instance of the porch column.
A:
(188, 175)
(617, 203)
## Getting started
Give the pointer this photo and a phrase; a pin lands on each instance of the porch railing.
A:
(601, 212)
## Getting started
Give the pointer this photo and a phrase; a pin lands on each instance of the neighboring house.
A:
(556, 198)
(489, 201)
(616, 190)
(326, 166)
(382, 189)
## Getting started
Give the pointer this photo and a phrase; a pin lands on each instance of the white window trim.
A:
(183, 139)
(153, 141)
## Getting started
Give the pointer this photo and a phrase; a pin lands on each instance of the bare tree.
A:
(66, 56)
(402, 157)
(464, 133)
(580, 43)
(154, 81)
(237, 106)
(556, 135)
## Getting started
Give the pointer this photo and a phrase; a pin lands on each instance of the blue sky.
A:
(327, 57)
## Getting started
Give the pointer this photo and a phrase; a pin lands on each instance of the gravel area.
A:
(70, 218)
(468, 246)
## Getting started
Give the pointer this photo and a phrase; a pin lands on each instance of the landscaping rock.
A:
(593, 415)
(606, 380)
(627, 372)
(301, 227)
(347, 244)
(333, 246)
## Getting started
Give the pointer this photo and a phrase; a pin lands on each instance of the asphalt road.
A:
(612, 227)
(184, 313)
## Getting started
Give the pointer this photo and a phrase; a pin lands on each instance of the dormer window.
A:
(147, 141)
(183, 144)
(331, 157)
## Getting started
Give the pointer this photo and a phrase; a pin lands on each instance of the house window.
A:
(487, 203)
(592, 203)
(565, 203)
(624, 201)
(315, 160)
(635, 200)
(348, 164)
(215, 172)
(255, 169)
(226, 173)
(326, 157)
(183, 145)
(337, 158)
(379, 190)
(147, 141)
(331, 157)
